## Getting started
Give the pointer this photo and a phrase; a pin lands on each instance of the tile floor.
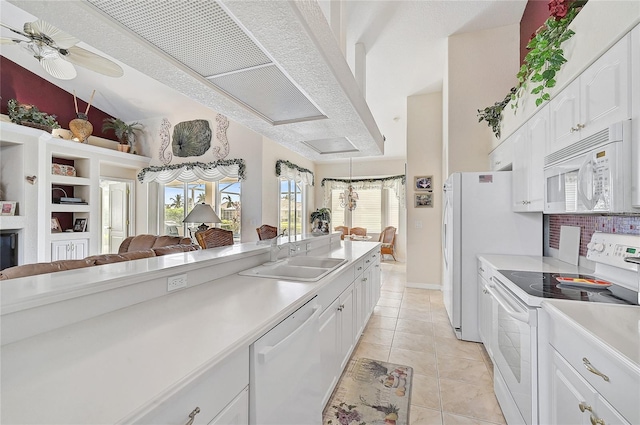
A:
(453, 379)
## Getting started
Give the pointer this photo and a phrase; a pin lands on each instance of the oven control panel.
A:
(611, 248)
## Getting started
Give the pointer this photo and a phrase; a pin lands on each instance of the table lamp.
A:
(202, 213)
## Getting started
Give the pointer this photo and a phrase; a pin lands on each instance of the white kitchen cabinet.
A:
(330, 339)
(598, 98)
(635, 119)
(236, 412)
(528, 163)
(75, 249)
(346, 322)
(501, 158)
(485, 308)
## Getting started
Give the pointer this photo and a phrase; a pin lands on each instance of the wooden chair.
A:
(358, 231)
(267, 232)
(214, 237)
(343, 229)
(388, 239)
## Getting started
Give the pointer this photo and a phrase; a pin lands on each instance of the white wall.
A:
(482, 67)
(424, 154)
(363, 168)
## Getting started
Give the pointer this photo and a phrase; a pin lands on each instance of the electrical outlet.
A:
(176, 282)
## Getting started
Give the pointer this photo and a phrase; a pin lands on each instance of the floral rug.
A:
(371, 392)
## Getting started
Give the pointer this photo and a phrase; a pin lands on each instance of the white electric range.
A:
(517, 288)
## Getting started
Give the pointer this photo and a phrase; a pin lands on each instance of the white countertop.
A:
(103, 369)
(616, 326)
(532, 263)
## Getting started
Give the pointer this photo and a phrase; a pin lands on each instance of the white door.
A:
(115, 214)
(447, 253)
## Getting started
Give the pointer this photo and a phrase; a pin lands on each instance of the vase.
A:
(123, 147)
(81, 128)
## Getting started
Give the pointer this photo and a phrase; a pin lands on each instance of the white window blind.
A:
(337, 212)
(393, 209)
(368, 213)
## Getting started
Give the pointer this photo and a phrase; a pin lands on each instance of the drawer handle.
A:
(377, 265)
(359, 268)
(192, 415)
(595, 421)
(593, 370)
(584, 406)
(484, 291)
(341, 307)
(368, 261)
(481, 269)
(364, 279)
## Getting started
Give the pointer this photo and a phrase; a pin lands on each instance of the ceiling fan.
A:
(57, 51)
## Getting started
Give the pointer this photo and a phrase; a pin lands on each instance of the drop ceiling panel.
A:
(334, 145)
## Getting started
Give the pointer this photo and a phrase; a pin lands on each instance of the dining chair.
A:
(358, 231)
(388, 239)
(214, 237)
(343, 229)
(267, 232)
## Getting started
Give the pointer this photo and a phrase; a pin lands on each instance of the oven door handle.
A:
(520, 316)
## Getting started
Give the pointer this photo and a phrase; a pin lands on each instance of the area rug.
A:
(371, 392)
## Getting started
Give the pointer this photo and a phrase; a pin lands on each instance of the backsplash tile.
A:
(625, 224)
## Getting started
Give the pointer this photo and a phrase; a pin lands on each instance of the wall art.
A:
(165, 156)
(191, 138)
(221, 134)
(8, 207)
(423, 200)
(424, 183)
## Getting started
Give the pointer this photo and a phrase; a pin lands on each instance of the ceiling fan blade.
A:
(4, 40)
(14, 30)
(59, 68)
(59, 37)
(86, 59)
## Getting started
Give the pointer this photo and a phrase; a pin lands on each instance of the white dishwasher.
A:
(284, 386)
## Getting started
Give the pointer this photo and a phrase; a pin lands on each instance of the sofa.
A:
(132, 248)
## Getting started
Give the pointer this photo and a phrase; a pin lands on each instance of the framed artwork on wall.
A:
(8, 207)
(423, 200)
(423, 183)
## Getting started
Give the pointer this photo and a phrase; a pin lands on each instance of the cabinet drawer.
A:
(358, 266)
(210, 392)
(621, 388)
(369, 260)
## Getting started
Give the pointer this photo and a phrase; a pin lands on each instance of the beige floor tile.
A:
(450, 419)
(418, 327)
(409, 313)
(414, 342)
(417, 296)
(386, 311)
(372, 351)
(430, 292)
(476, 401)
(443, 330)
(377, 336)
(425, 391)
(392, 295)
(382, 322)
(446, 347)
(388, 302)
(466, 370)
(416, 305)
(391, 288)
(421, 416)
(422, 363)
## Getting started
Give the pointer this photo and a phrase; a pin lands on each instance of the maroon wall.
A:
(535, 13)
(25, 86)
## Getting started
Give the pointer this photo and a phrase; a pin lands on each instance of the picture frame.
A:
(424, 200)
(8, 207)
(55, 225)
(423, 183)
(80, 225)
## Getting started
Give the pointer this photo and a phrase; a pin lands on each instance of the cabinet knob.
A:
(595, 421)
(524, 202)
(573, 130)
(341, 307)
(481, 269)
(498, 162)
(359, 268)
(368, 261)
(584, 406)
(484, 291)
(364, 279)
(590, 368)
(192, 415)
(580, 126)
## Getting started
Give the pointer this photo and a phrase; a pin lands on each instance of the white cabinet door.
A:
(329, 349)
(564, 114)
(347, 329)
(604, 90)
(519, 175)
(60, 250)
(377, 282)
(501, 157)
(358, 290)
(570, 397)
(635, 119)
(79, 248)
(236, 412)
(485, 315)
(538, 134)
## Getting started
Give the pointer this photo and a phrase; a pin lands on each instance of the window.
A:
(376, 209)
(180, 198)
(291, 207)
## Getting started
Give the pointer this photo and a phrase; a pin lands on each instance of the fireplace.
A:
(8, 249)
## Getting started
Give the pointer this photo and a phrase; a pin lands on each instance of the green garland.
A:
(20, 114)
(380, 179)
(191, 165)
(294, 166)
(493, 114)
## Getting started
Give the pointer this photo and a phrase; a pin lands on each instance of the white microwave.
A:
(593, 175)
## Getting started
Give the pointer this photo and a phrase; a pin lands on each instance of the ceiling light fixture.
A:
(349, 198)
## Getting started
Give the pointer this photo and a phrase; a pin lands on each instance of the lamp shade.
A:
(202, 213)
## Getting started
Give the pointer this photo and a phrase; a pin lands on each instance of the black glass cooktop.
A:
(545, 285)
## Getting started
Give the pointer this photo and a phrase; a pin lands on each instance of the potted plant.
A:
(30, 116)
(321, 219)
(124, 132)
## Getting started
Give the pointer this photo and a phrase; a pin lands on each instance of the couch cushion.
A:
(142, 242)
(42, 268)
(136, 255)
(107, 259)
(172, 249)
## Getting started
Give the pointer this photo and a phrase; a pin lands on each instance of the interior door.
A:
(115, 215)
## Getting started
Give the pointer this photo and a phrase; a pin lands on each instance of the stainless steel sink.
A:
(299, 269)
